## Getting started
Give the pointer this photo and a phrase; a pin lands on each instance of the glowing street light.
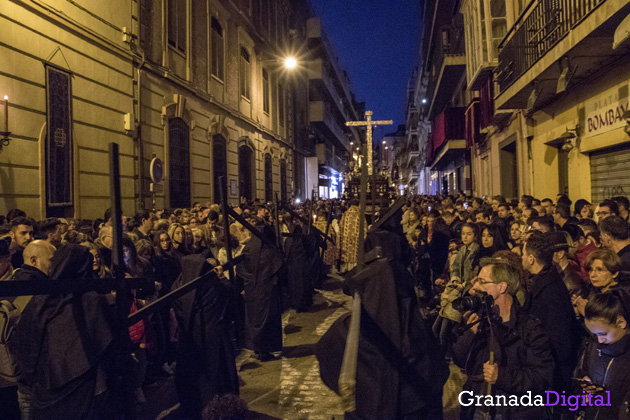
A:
(424, 100)
(290, 63)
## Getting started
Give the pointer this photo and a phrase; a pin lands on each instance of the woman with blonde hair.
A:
(98, 267)
(177, 233)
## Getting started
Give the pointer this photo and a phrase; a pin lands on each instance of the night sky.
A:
(377, 44)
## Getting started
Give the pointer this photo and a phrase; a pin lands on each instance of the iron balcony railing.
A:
(541, 26)
(450, 43)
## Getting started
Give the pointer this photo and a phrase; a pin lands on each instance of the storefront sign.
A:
(605, 113)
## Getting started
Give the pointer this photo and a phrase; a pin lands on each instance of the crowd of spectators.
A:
(559, 276)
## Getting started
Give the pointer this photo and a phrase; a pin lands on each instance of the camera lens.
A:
(467, 303)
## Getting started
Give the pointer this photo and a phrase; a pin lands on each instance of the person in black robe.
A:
(64, 345)
(206, 363)
(300, 280)
(261, 272)
(400, 367)
(313, 241)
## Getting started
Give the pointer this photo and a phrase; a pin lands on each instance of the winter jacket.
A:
(549, 301)
(607, 365)
(464, 270)
(523, 354)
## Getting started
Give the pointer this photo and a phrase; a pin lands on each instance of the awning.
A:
(622, 33)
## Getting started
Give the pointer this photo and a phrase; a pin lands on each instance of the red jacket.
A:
(582, 254)
(136, 331)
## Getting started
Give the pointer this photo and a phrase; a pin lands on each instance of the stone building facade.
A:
(199, 84)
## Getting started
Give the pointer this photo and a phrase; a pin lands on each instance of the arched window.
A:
(245, 73)
(219, 164)
(283, 180)
(217, 45)
(179, 163)
(268, 179)
(245, 172)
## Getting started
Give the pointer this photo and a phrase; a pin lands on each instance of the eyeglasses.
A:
(603, 213)
(481, 281)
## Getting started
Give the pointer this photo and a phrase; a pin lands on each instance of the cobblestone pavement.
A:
(286, 388)
(290, 388)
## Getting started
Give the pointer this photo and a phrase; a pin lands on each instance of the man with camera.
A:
(501, 346)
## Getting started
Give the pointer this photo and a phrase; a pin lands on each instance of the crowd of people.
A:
(557, 273)
(168, 249)
(524, 295)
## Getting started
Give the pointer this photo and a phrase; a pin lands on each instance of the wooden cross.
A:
(369, 123)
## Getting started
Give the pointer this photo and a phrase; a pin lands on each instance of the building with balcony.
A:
(492, 136)
(444, 95)
(408, 155)
(555, 120)
(331, 104)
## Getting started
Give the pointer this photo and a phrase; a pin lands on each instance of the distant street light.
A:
(290, 63)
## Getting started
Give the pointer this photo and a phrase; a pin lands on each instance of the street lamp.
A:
(290, 63)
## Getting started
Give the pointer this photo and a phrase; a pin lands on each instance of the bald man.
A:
(37, 255)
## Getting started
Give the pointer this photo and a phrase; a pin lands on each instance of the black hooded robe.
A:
(261, 272)
(400, 367)
(300, 280)
(205, 354)
(62, 341)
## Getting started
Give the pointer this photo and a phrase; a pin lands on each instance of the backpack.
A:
(9, 317)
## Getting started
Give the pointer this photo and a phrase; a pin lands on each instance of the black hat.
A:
(5, 244)
(575, 231)
(559, 240)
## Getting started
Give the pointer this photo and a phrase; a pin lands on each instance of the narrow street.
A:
(290, 388)
(286, 388)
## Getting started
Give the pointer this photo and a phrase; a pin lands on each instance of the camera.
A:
(480, 303)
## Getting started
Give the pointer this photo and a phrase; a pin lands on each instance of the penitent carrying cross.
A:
(369, 123)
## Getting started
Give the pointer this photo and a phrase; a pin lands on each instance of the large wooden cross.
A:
(369, 123)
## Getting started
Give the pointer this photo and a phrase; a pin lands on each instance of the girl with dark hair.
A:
(465, 268)
(604, 367)
(493, 239)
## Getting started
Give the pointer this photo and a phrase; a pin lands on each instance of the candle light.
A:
(6, 113)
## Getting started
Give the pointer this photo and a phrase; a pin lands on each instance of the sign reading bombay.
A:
(605, 112)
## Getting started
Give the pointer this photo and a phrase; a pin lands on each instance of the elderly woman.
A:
(603, 266)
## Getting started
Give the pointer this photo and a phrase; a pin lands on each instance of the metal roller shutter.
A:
(610, 174)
